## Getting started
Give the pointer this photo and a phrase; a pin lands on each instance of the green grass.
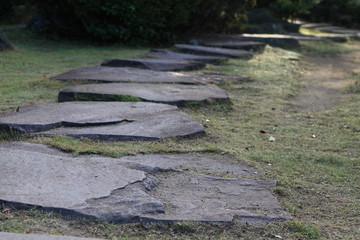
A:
(24, 72)
(318, 178)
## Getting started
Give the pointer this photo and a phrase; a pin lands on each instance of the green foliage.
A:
(303, 231)
(140, 21)
(345, 12)
(288, 9)
(9, 10)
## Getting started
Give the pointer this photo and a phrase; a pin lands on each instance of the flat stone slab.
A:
(164, 54)
(276, 40)
(102, 120)
(213, 51)
(100, 74)
(242, 45)
(155, 64)
(142, 188)
(174, 94)
(14, 236)
(132, 75)
(315, 25)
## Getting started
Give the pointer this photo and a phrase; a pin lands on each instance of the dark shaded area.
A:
(5, 43)
(343, 13)
(140, 21)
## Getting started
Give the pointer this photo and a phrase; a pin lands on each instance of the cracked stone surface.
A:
(163, 54)
(15, 236)
(102, 120)
(136, 188)
(242, 45)
(155, 64)
(213, 51)
(174, 94)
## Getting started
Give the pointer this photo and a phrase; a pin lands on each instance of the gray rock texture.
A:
(174, 94)
(213, 51)
(136, 188)
(14, 236)
(276, 40)
(155, 64)
(164, 54)
(242, 45)
(131, 75)
(102, 120)
(100, 74)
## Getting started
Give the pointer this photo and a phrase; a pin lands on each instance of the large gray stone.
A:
(163, 54)
(14, 236)
(213, 51)
(136, 188)
(155, 64)
(174, 94)
(293, 39)
(276, 40)
(242, 45)
(102, 120)
(111, 75)
(133, 75)
(315, 25)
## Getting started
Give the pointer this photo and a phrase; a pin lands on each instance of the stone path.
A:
(212, 51)
(166, 188)
(242, 45)
(332, 29)
(164, 54)
(276, 40)
(136, 188)
(110, 74)
(102, 120)
(14, 236)
(174, 94)
(100, 74)
(155, 64)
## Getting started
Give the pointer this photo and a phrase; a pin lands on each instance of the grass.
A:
(318, 177)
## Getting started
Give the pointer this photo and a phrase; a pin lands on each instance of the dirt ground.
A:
(326, 79)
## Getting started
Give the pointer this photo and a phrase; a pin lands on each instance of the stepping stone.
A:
(14, 236)
(102, 120)
(111, 74)
(141, 188)
(212, 51)
(276, 40)
(163, 54)
(242, 45)
(315, 25)
(174, 94)
(133, 75)
(155, 64)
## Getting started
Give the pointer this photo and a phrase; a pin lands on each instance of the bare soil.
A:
(325, 79)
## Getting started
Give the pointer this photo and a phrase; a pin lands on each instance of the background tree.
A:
(140, 21)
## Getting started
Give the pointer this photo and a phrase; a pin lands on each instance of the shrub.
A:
(140, 21)
(345, 12)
